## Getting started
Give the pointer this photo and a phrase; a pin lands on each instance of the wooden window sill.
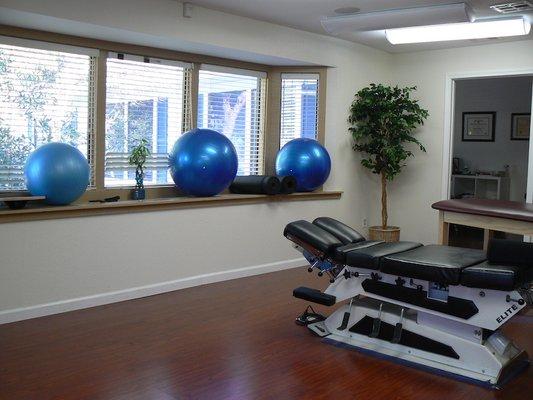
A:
(42, 212)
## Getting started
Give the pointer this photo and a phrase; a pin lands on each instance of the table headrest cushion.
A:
(341, 231)
(510, 252)
(312, 235)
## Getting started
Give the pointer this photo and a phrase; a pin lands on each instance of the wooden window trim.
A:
(111, 46)
(76, 210)
(273, 118)
(271, 111)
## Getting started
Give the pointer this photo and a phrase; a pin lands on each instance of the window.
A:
(44, 97)
(145, 100)
(230, 102)
(50, 92)
(299, 107)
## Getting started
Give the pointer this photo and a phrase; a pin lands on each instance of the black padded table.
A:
(496, 277)
(371, 257)
(507, 265)
(435, 263)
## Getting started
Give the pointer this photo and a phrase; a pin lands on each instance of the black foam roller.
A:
(256, 184)
(288, 184)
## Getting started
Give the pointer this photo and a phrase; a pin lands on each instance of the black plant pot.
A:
(138, 194)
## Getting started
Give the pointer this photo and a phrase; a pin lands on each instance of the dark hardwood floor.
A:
(230, 340)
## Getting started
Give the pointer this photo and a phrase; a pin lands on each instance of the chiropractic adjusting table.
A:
(436, 307)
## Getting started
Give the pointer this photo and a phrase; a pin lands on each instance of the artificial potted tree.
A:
(382, 122)
(138, 157)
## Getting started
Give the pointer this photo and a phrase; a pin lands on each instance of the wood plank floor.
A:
(230, 340)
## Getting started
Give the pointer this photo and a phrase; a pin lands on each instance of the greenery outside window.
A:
(44, 97)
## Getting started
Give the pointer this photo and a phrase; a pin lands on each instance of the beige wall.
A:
(48, 261)
(51, 261)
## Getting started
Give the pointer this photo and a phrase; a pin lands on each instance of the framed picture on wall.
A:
(520, 126)
(479, 126)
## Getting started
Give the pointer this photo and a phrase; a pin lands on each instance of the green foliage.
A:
(382, 120)
(5, 84)
(14, 149)
(138, 157)
(33, 97)
(69, 129)
(115, 128)
(30, 89)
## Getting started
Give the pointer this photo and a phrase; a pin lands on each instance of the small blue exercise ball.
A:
(203, 162)
(305, 159)
(58, 171)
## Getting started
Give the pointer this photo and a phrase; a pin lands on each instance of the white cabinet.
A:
(480, 187)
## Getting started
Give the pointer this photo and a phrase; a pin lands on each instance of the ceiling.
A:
(306, 15)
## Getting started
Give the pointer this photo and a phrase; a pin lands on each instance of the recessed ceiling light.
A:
(347, 10)
(461, 31)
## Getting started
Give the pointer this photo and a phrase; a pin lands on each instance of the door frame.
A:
(449, 118)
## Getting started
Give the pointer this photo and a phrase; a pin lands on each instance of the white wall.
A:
(420, 184)
(505, 96)
(49, 261)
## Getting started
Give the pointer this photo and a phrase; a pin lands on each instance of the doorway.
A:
(489, 121)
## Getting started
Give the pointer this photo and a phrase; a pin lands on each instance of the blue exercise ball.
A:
(58, 171)
(305, 159)
(203, 162)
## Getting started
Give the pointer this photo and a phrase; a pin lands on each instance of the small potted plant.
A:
(382, 121)
(138, 157)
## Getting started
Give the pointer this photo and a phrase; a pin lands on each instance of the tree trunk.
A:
(384, 215)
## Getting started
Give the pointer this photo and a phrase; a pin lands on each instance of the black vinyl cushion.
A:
(341, 231)
(341, 252)
(312, 235)
(314, 295)
(370, 256)
(510, 252)
(496, 277)
(442, 264)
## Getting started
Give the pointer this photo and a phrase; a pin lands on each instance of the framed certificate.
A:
(520, 126)
(479, 126)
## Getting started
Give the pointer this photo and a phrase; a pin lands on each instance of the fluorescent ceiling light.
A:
(462, 31)
(397, 18)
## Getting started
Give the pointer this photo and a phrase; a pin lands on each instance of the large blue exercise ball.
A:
(305, 159)
(58, 171)
(203, 162)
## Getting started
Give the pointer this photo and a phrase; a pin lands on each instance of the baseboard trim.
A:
(41, 310)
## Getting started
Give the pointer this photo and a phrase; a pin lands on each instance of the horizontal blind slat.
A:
(231, 103)
(299, 106)
(143, 100)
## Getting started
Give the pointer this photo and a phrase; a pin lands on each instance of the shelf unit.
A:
(481, 186)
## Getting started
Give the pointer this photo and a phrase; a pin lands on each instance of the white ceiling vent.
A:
(514, 7)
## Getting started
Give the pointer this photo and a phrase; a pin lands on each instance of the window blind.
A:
(44, 97)
(145, 99)
(299, 107)
(231, 102)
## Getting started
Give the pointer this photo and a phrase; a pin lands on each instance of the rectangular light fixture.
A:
(461, 31)
(396, 18)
